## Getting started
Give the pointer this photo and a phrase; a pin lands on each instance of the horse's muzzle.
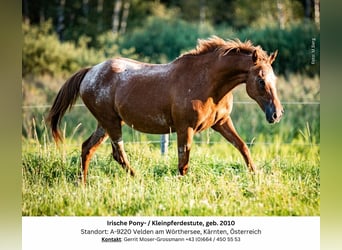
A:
(273, 114)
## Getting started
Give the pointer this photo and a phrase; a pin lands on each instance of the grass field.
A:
(287, 156)
(217, 184)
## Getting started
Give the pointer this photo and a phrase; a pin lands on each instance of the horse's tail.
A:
(65, 98)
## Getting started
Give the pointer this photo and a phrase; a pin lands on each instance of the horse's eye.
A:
(261, 83)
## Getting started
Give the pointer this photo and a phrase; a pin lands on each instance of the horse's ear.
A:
(273, 57)
(255, 57)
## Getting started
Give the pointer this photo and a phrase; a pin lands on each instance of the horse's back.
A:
(143, 94)
(137, 92)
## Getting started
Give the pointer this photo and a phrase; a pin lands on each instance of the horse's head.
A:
(261, 86)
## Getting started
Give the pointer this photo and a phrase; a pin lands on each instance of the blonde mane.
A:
(222, 47)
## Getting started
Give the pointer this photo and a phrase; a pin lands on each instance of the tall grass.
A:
(287, 182)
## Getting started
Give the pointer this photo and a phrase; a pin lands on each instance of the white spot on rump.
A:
(121, 64)
(151, 75)
(92, 78)
(103, 94)
(93, 82)
(124, 70)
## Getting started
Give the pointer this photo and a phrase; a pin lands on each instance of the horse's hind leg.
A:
(120, 156)
(89, 147)
(113, 126)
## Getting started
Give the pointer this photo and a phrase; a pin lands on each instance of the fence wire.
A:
(235, 102)
(171, 141)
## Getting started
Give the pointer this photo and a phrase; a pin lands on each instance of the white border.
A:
(280, 233)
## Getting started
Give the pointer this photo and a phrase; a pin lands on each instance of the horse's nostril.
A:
(274, 116)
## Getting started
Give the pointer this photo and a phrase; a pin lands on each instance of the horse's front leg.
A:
(184, 141)
(228, 131)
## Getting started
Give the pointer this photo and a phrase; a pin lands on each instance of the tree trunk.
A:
(317, 12)
(281, 14)
(26, 17)
(116, 16)
(85, 8)
(124, 17)
(41, 14)
(99, 14)
(60, 19)
(307, 9)
(202, 14)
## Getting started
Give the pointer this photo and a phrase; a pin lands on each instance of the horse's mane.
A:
(222, 47)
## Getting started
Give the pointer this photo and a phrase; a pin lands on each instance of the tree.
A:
(120, 16)
(317, 12)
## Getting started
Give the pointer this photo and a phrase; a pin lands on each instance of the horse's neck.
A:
(214, 77)
(230, 74)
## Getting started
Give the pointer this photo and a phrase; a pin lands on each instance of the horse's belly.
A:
(144, 107)
(148, 123)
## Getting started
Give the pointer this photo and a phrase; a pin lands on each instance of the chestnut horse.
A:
(186, 96)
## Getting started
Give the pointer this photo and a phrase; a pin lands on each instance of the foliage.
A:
(43, 53)
(297, 45)
(81, 33)
(258, 14)
(76, 18)
(162, 39)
